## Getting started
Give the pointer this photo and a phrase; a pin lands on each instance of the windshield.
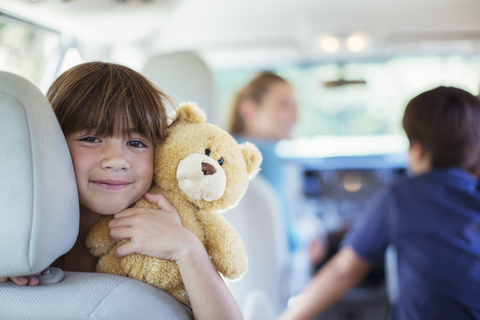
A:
(360, 98)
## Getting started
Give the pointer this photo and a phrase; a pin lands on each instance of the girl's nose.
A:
(114, 159)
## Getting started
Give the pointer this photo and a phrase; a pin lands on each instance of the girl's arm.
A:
(343, 272)
(160, 234)
(209, 295)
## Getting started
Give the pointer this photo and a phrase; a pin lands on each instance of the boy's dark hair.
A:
(109, 99)
(446, 121)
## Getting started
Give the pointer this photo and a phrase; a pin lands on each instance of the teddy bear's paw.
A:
(162, 274)
(109, 264)
(232, 267)
(234, 273)
(98, 239)
(180, 293)
(99, 249)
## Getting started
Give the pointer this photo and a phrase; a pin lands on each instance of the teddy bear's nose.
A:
(208, 169)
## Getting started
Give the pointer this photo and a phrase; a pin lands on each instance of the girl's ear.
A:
(253, 158)
(189, 112)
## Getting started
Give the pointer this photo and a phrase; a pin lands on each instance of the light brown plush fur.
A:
(189, 135)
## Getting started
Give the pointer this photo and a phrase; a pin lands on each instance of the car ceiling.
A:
(289, 27)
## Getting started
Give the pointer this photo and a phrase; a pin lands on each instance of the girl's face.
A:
(112, 172)
(276, 114)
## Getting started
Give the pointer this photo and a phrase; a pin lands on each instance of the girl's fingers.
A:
(120, 233)
(21, 281)
(161, 202)
(125, 250)
(125, 213)
(118, 222)
(32, 280)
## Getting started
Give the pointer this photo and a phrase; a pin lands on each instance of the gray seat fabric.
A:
(38, 192)
(39, 215)
(186, 77)
(89, 296)
(256, 221)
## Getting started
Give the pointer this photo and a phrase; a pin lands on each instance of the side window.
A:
(25, 49)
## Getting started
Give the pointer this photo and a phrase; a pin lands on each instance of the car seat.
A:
(267, 282)
(185, 77)
(39, 220)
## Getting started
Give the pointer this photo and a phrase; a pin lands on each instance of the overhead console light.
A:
(357, 42)
(328, 43)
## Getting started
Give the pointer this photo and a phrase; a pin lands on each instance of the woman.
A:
(264, 112)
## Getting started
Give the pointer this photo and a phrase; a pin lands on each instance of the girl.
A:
(112, 117)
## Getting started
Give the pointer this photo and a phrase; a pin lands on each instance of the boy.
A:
(433, 219)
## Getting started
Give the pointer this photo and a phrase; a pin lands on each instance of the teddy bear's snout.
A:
(208, 169)
(201, 177)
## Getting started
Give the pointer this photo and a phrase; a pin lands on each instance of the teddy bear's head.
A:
(204, 164)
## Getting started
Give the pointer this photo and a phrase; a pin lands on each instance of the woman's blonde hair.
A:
(254, 90)
(109, 99)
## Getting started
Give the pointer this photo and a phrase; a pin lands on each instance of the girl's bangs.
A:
(121, 115)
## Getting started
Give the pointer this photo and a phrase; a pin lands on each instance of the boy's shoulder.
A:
(436, 180)
(408, 181)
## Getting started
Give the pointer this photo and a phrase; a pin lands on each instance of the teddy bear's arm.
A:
(98, 240)
(225, 247)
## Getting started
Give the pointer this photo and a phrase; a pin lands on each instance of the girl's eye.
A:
(90, 139)
(207, 152)
(220, 161)
(136, 144)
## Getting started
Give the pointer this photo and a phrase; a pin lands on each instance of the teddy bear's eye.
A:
(220, 161)
(207, 152)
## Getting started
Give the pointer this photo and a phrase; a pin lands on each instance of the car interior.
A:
(354, 66)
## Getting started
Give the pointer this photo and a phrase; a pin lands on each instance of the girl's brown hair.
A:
(109, 99)
(254, 90)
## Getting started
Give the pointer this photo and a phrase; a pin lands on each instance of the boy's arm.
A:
(343, 272)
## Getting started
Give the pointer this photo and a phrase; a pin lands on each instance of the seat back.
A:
(185, 77)
(38, 193)
(256, 219)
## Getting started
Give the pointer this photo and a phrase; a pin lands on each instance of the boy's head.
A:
(109, 99)
(445, 122)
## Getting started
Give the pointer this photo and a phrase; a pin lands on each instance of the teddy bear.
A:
(202, 171)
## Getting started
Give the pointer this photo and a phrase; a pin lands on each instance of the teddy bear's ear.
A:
(253, 158)
(189, 112)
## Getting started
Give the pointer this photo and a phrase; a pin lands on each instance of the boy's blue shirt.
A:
(434, 221)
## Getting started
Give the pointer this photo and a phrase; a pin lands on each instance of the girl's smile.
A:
(111, 184)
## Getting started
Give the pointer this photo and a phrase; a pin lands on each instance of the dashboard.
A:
(341, 197)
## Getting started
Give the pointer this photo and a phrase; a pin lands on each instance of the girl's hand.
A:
(156, 233)
(31, 280)
(159, 233)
